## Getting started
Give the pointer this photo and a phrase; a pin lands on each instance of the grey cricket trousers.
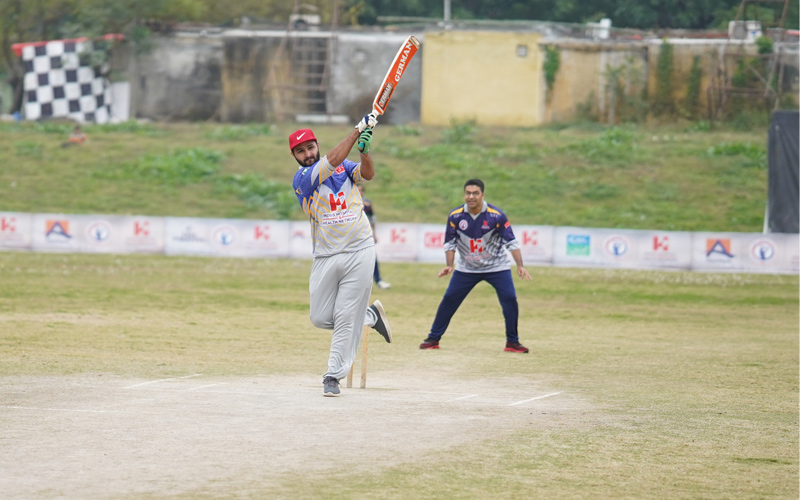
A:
(340, 286)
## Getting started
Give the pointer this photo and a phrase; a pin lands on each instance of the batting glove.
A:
(369, 121)
(364, 141)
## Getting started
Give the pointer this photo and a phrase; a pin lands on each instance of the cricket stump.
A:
(364, 353)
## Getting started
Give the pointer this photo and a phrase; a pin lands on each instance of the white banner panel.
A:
(187, 236)
(263, 238)
(431, 243)
(769, 253)
(97, 233)
(623, 248)
(791, 245)
(664, 249)
(576, 246)
(15, 230)
(226, 237)
(397, 242)
(55, 233)
(110, 234)
(143, 234)
(536, 243)
(716, 252)
(616, 247)
(300, 244)
(745, 252)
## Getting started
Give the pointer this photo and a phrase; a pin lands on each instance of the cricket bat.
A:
(396, 70)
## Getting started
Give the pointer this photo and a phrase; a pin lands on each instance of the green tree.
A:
(642, 14)
(29, 21)
(663, 101)
(22, 21)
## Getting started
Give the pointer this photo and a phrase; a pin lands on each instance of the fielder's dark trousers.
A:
(463, 283)
(376, 274)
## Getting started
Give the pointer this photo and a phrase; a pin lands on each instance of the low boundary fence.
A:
(401, 242)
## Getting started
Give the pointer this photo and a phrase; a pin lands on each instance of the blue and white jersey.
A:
(481, 241)
(331, 201)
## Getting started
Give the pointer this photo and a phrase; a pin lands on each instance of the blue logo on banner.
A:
(617, 246)
(721, 246)
(99, 231)
(578, 244)
(225, 236)
(762, 251)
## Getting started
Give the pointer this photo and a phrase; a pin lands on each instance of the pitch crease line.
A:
(59, 409)
(204, 386)
(534, 399)
(162, 380)
(462, 397)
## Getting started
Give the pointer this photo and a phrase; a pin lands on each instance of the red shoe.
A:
(429, 343)
(515, 347)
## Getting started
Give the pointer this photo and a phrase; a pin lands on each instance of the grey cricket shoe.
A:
(330, 387)
(382, 324)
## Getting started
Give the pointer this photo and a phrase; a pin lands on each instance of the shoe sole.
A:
(382, 314)
(330, 395)
(508, 349)
(429, 348)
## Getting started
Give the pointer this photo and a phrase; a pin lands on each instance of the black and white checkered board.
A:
(57, 84)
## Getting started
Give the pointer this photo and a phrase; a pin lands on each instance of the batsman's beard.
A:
(308, 161)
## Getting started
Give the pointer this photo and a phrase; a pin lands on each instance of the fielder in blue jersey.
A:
(481, 234)
(343, 245)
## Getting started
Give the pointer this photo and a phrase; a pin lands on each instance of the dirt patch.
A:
(95, 436)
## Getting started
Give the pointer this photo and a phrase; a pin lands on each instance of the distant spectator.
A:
(76, 137)
(376, 275)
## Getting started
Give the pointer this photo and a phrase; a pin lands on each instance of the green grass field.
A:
(665, 178)
(671, 385)
(687, 382)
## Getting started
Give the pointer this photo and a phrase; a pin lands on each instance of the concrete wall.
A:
(684, 51)
(245, 66)
(582, 77)
(360, 62)
(493, 78)
(179, 79)
(582, 82)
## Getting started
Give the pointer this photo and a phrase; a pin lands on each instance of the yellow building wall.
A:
(481, 76)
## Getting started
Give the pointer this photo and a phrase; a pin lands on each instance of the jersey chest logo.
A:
(337, 202)
(463, 225)
(476, 245)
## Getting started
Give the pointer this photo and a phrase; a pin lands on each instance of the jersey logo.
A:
(338, 202)
(339, 169)
(476, 246)
(463, 225)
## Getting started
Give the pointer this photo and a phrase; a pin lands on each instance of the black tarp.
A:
(784, 167)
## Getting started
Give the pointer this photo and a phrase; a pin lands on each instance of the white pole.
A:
(447, 11)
